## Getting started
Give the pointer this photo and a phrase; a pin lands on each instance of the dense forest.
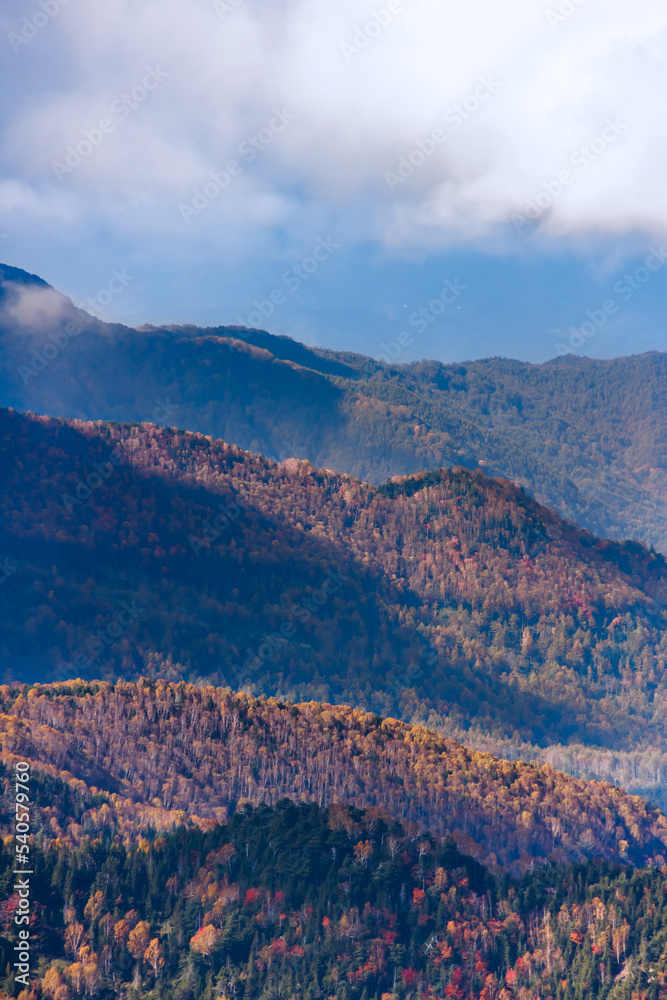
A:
(184, 623)
(447, 599)
(339, 904)
(129, 756)
(586, 437)
(640, 772)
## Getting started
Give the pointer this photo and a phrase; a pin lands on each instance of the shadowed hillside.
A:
(586, 437)
(449, 599)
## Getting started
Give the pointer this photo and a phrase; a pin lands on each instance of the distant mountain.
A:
(588, 438)
(449, 599)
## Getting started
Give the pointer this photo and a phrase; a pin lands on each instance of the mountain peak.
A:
(20, 277)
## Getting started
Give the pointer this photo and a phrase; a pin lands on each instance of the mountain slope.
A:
(308, 903)
(449, 599)
(301, 902)
(586, 437)
(205, 751)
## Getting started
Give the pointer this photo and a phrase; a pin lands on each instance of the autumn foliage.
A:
(281, 902)
(447, 599)
(128, 756)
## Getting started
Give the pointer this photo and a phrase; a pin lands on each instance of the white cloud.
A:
(31, 310)
(356, 114)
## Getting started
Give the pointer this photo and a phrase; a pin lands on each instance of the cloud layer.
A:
(409, 122)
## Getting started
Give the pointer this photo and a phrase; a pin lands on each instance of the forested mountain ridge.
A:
(208, 819)
(448, 599)
(154, 754)
(587, 437)
(314, 904)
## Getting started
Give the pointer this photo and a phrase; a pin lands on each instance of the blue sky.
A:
(330, 171)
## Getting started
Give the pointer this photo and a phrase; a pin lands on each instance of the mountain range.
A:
(297, 647)
(586, 437)
(447, 599)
